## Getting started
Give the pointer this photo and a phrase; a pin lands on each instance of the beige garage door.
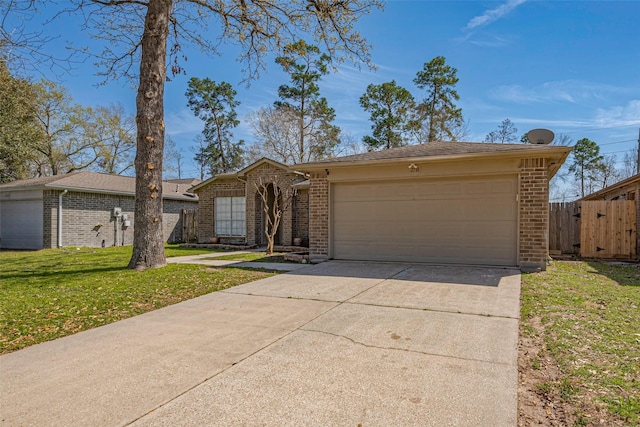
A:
(469, 221)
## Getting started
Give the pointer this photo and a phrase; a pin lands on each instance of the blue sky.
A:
(570, 66)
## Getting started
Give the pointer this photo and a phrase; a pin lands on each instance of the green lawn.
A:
(177, 250)
(51, 293)
(587, 315)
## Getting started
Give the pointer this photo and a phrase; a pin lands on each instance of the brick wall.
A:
(206, 205)
(301, 216)
(534, 214)
(87, 219)
(318, 217)
(172, 219)
(49, 219)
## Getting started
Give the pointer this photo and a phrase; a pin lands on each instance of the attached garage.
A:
(474, 221)
(440, 202)
(21, 221)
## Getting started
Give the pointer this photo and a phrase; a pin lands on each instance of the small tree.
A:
(587, 162)
(277, 133)
(115, 134)
(283, 193)
(629, 165)
(65, 143)
(506, 132)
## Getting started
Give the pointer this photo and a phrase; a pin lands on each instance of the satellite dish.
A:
(540, 136)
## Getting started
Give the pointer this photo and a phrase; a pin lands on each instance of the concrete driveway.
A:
(339, 343)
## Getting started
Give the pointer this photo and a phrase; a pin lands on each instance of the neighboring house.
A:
(441, 202)
(231, 208)
(628, 189)
(82, 209)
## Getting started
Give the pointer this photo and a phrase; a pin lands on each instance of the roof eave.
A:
(616, 186)
(561, 152)
(103, 191)
(212, 179)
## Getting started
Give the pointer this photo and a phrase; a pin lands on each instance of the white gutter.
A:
(60, 217)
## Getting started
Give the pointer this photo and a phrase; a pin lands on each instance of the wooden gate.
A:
(608, 229)
(564, 227)
(190, 225)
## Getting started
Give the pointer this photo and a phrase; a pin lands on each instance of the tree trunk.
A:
(148, 240)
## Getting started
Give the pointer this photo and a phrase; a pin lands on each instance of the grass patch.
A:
(174, 250)
(587, 314)
(51, 293)
(253, 257)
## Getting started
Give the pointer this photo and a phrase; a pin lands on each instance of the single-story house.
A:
(82, 209)
(440, 202)
(628, 189)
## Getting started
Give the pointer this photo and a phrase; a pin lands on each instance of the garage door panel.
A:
(450, 221)
(21, 224)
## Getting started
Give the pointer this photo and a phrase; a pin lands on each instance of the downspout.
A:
(60, 217)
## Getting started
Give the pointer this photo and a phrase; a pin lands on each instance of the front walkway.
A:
(205, 259)
(338, 343)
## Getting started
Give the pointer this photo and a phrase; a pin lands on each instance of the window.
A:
(230, 219)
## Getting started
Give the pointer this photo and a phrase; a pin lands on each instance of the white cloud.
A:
(491, 15)
(495, 41)
(627, 115)
(566, 91)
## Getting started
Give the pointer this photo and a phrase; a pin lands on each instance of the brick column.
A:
(252, 211)
(318, 217)
(205, 213)
(50, 219)
(534, 215)
(286, 224)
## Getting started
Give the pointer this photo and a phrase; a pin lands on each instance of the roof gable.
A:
(242, 172)
(261, 162)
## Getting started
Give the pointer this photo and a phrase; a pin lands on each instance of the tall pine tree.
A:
(305, 64)
(437, 112)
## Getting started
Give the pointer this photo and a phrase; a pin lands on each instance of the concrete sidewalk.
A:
(206, 259)
(339, 343)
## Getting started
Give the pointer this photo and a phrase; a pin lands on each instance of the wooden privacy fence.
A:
(594, 229)
(190, 225)
(564, 227)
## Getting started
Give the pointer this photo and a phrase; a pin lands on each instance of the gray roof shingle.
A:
(431, 149)
(100, 182)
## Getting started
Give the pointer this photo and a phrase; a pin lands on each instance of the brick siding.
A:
(87, 219)
(230, 187)
(534, 214)
(301, 216)
(318, 217)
